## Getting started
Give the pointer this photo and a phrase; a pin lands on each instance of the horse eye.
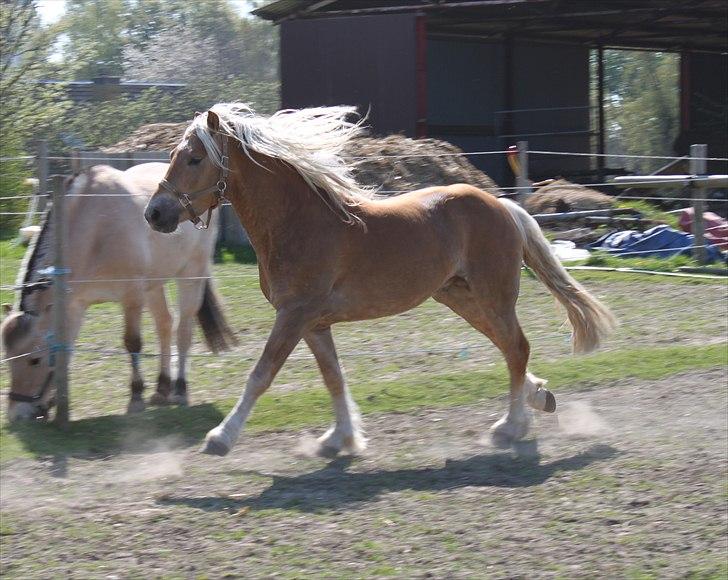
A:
(194, 161)
(34, 361)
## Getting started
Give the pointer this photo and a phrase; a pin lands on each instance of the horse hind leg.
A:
(498, 321)
(157, 303)
(190, 297)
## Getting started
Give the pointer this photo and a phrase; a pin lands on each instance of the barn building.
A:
(484, 74)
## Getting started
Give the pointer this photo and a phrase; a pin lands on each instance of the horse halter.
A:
(218, 189)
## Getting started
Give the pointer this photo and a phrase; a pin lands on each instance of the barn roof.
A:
(673, 25)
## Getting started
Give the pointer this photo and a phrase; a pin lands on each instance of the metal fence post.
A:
(522, 180)
(698, 166)
(59, 348)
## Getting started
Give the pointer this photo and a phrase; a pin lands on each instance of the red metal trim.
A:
(421, 74)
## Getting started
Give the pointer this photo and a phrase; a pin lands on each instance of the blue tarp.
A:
(660, 242)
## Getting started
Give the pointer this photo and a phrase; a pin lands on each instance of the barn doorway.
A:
(641, 98)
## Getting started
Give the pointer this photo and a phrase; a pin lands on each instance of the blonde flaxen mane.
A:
(309, 140)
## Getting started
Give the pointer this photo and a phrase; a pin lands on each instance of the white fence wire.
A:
(355, 353)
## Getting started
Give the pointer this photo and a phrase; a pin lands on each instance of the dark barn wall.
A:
(470, 85)
(552, 76)
(363, 61)
(707, 103)
(464, 81)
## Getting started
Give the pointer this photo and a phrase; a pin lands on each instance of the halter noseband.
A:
(218, 189)
(18, 398)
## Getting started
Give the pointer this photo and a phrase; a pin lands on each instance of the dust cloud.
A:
(579, 419)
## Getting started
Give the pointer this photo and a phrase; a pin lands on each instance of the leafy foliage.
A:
(29, 109)
(641, 105)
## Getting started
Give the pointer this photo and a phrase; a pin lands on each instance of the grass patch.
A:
(311, 406)
(667, 264)
(650, 211)
(235, 255)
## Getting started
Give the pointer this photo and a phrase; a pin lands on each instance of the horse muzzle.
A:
(21, 411)
(162, 214)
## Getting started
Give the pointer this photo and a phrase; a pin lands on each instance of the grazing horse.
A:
(113, 256)
(329, 252)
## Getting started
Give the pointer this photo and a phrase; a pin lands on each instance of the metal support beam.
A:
(698, 166)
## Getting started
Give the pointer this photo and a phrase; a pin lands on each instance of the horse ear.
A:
(7, 309)
(213, 121)
(197, 114)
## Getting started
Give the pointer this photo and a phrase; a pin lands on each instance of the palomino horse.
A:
(328, 252)
(113, 257)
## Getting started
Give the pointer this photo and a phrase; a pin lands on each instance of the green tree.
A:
(641, 105)
(96, 34)
(28, 109)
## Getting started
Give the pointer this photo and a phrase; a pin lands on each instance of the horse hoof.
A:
(180, 400)
(326, 452)
(158, 399)
(504, 433)
(215, 443)
(135, 406)
(501, 440)
(550, 405)
(214, 447)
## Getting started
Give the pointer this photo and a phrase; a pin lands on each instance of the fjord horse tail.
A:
(218, 334)
(590, 320)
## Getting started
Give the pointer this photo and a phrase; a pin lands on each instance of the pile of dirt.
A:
(396, 163)
(559, 195)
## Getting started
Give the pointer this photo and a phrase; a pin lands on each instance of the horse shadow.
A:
(334, 487)
(109, 435)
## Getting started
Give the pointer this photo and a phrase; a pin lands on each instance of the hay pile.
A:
(559, 195)
(153, 137)
(371, 158)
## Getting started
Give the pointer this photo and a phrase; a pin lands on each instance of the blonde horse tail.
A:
(218, 334)
(590, 320)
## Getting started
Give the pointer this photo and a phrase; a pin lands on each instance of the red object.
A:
(716, 228)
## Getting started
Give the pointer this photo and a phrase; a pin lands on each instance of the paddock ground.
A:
(629, 480)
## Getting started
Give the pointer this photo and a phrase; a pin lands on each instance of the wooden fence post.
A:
(698, 166)
(42, 166)
(522, 180)
(59, 348)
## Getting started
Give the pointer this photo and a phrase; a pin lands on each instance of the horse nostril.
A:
(154, 216)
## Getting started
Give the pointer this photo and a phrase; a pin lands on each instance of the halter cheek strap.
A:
(218, 189)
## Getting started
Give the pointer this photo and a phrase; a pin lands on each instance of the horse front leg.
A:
(284, 337)
(133, 344)
(346, 434)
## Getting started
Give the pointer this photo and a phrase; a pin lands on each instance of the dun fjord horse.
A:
(109, 241)
(328, 252)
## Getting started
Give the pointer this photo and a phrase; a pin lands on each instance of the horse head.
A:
(195, 181)
(25, 344)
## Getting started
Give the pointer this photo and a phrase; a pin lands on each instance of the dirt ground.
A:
(628, 480)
